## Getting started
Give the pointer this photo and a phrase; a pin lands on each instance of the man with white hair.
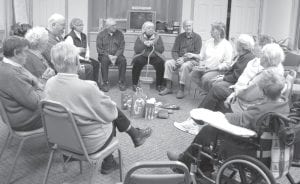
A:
(185, 43)
(56, 28)
(96, 115)
(110, 47)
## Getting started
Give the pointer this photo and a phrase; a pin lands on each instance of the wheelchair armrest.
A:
(219, 121)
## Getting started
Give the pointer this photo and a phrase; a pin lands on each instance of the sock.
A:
(132, 132)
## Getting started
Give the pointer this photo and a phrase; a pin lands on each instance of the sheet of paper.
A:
(218, 120)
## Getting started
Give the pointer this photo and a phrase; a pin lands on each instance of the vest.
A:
(77, 42)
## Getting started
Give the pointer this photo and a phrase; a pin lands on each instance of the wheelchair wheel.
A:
(243, 169)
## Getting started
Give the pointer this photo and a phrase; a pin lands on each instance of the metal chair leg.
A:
(15, 160)
(5, 144)
(93, 171)
(121, 165)
(80, 166)
(48, 166)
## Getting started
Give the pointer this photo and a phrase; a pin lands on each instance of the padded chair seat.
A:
(29, 133)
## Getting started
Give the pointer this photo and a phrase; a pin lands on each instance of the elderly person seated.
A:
(95, 113)
(245, 90)
(221, 87)
(20, 91)
(79, 39)
(187, 42)
(215, 57)
(271, 85)
(148, 44)
(110, 47)
(35, 62)
(56, 29)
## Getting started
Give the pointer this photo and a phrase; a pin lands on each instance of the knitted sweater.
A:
(92, 109)
(20, 96)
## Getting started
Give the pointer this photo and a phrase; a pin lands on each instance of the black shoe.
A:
(141, 137)
(108, 167)
(105, 87)
(159, 88)
(122, 86)
(134, 88)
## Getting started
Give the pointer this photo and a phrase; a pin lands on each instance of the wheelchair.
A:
(245, 168)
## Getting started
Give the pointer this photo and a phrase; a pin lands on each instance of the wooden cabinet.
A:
(168, 40)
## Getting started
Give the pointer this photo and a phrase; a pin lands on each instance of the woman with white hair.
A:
(79, 39)
(220, 89)
(35, 62)
(246, 92)
(146, 42)
(95, 113)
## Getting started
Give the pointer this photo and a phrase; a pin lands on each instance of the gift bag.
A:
(126, 99)
(281, 157)
(137, 109)
(150, 108)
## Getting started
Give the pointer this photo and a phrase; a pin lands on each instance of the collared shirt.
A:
(108, 44)
(217, 56)
(185, 43)
(11, 62)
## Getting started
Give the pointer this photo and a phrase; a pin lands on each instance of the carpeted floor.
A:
(32, 163)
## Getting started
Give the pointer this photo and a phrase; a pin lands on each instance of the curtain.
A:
(166, 10)
(294, 41)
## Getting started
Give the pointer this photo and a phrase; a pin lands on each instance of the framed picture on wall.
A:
(136, 19)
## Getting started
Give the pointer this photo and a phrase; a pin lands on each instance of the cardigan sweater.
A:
(35, 63)
(20, 95)
(92, 109)
(233, 74)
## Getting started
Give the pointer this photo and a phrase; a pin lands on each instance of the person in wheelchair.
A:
(271, 84)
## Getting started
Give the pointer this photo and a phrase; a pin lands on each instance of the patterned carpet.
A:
(33, 159)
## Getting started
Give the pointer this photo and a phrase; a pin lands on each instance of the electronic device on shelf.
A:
(136, 19)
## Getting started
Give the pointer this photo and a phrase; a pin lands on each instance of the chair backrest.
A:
(4, 117)
(292, 59)
(61, 128)
(290, 76)
(171, 178)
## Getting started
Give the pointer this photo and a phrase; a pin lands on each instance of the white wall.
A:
(276, 20)
(78, 9)
(2, 15)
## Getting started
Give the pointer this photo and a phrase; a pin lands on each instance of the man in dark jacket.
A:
(110, 47)
(185, 43)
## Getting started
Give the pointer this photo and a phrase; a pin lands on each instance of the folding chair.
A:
(171, 178)
(62, 132)
(23, 135)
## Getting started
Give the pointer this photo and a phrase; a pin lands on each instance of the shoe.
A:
(180, 94)
(134, 88)
(141, 137)
(122, 86)
(159, 88)
(108, 167)
(105, 87)
(173, 156)
(165, 92)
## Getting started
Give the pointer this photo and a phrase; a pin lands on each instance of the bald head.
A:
(111, 25)
(56, 24)
(188, 26)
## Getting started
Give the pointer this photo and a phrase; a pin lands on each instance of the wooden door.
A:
(205, 13)
(244, 17)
